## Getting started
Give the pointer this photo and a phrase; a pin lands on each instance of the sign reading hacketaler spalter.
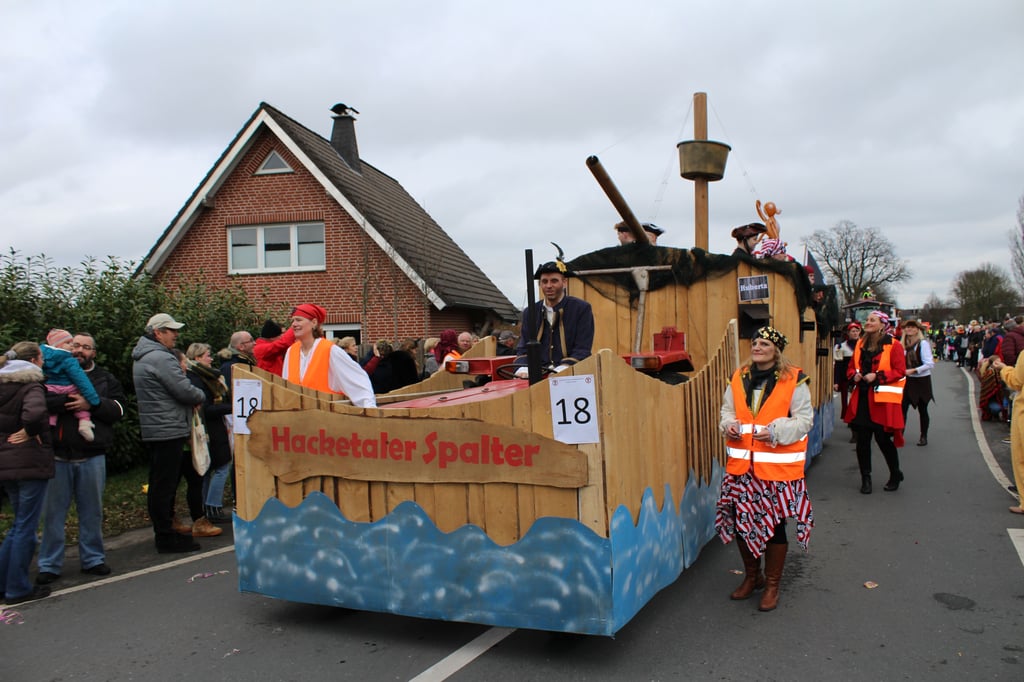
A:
(296, 445)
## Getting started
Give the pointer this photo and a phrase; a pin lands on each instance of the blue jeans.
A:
(213, 485)
(84, 482)
(26, 498)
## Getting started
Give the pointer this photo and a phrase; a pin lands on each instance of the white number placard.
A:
(246, 398)
(574, 409)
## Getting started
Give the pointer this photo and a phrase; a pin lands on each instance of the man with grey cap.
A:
(166, 398)
(507, 342)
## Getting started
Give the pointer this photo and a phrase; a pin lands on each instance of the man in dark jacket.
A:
(81, 468)
(563, 324)
(240, 347)
(166, 398)
(1013, 342)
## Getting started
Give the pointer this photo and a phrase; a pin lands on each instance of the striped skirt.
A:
(751, 509)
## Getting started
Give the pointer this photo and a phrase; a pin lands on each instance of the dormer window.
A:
(274, 163)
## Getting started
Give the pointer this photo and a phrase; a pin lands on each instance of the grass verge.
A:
(124, 506)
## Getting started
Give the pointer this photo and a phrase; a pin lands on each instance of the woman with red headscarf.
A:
(315, 362)
(448, 345)
(878, 373)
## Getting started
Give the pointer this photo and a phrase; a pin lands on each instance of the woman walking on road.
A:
(919, 361)
(877, 371)
(26, 465)
(1013, 377)
(765, 417)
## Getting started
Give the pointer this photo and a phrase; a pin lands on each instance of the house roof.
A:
(377, 202)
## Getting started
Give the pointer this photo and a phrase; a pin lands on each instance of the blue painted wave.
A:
(560, 576)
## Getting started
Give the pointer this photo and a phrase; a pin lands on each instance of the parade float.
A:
(563, 504)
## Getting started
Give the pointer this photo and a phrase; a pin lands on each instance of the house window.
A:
(274, 163)
(276, 248)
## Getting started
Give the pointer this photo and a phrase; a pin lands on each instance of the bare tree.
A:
(1017, 246)
(935, 310)
(858, 258)
(986, 292)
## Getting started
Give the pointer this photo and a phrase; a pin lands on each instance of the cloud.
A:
(907, 117)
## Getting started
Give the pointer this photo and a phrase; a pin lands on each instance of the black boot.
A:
(894, 481)
(865, 484)
(892, 460)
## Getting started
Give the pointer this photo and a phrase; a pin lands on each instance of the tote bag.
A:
(199, 442)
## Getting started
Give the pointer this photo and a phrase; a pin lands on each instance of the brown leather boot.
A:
(754, 579)
(180, 528)
(202, 528)
(774, 561)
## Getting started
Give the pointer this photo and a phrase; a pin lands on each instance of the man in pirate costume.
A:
(563, 325)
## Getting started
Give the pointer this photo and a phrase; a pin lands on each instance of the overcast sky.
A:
(906, 116)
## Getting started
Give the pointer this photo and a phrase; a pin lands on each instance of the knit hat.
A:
(271, 330)
(310, 311)
(58, 337)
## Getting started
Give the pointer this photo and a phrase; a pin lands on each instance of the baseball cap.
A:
(163, 321)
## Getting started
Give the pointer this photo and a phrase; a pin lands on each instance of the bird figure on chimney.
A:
(343, 110)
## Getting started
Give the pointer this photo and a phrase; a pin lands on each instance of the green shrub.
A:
(112, 302)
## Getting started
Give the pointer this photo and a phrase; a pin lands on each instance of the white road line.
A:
(143, 571)
(1017, 538)
(979, 435)
(460, 658)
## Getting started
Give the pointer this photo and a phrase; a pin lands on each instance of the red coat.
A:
(269, 353)
(889, 415)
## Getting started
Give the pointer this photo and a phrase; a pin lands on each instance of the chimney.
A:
(343, 135)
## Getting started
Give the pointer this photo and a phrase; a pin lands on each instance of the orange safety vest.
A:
(318, 369)
(884, 393)
(779, 463)
(450, 356)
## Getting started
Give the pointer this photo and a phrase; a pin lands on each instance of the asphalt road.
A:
(948, 605)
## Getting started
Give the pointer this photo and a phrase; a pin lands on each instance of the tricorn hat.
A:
(551, 267)
(748, 230)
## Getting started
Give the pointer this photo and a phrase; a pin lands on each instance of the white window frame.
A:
(293, 231)
(275, 157)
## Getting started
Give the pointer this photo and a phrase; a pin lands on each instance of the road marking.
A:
(143, 571)
(460, 658)
(1017, 538)
(979, 435)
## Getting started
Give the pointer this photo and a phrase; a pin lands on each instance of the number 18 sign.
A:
(574, 409)
(246, 397)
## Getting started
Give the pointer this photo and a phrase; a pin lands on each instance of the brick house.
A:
(293, 217)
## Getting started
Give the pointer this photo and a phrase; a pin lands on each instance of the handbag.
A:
(199, 443)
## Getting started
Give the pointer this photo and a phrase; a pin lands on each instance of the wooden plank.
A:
(501, 500)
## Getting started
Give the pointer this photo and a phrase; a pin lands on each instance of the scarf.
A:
(756, 378)
(211, 378)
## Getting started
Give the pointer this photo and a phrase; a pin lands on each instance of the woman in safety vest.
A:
(765, 417)
(878, 372)
(315, 362)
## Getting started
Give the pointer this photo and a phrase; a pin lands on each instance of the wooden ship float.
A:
(561, 505)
